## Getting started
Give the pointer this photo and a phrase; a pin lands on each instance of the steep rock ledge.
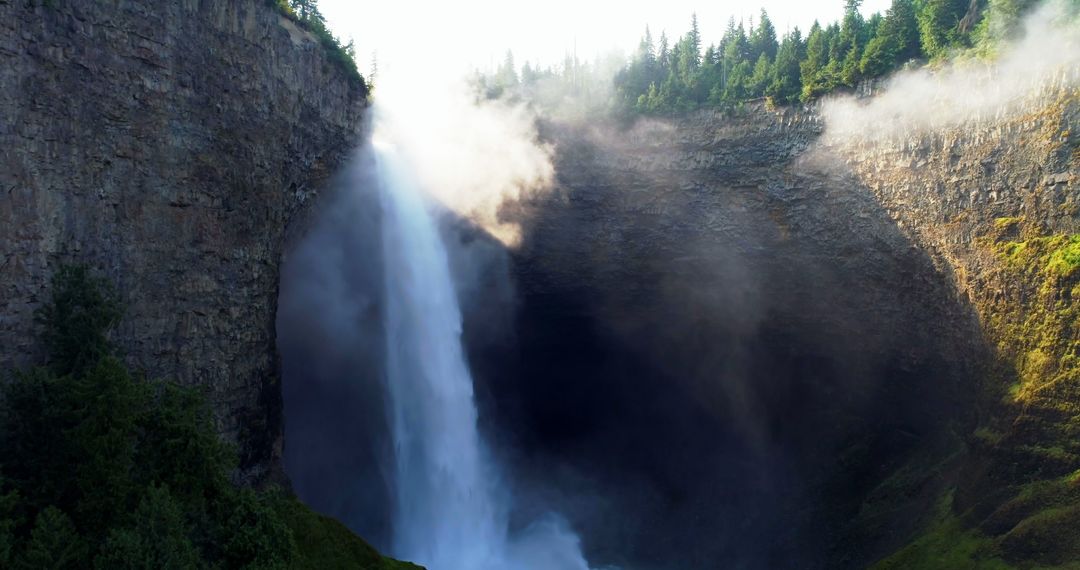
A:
(170, 145)
(734, 343)
(996, 203)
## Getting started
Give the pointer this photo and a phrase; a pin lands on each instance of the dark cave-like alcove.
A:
(698, 367)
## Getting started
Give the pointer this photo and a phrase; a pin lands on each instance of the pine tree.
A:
(104, 406)
(761, 76)
(693, 40)
(157, 538)
(646, 50)
(9, 503)
(763, 38)
(939, 25)
(663, 55)
(786, 85)
(77, 319)
(53, 543)
(852, 41)
(507, 76)
(813, 65)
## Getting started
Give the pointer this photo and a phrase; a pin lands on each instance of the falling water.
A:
(450, 511)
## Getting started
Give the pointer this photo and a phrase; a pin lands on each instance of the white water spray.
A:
(450, 511)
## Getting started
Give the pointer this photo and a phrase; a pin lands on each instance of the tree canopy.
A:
(103, 469)
(749, 62)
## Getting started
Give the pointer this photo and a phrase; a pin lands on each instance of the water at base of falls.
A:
(450, 511)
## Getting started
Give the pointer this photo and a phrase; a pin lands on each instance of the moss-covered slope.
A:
(996, 202)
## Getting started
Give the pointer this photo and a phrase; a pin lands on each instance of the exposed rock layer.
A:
(731, 344)
(169, 145)
(996, 202)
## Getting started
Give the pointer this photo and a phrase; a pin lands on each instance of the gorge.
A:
(739, 339)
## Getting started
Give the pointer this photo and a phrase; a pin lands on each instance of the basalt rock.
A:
(169, 145)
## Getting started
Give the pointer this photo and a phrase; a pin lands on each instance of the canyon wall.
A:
(169, 145)
(760, 344)
(726, 343)
(994, 200)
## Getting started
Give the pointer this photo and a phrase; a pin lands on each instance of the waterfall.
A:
(450, 511)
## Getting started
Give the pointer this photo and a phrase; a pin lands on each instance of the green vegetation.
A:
(1039, 332)
(946, 544)
(323, 542)
(750, 62)
(1039, 527)
(1034, 449)
(307, 15)
(100, 468)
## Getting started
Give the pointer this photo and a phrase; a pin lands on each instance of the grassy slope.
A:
(324, 543)
(1031, 440)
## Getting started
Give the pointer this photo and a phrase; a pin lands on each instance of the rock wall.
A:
(829, 336)
(996, 203)
(169, 145)
(727, 344)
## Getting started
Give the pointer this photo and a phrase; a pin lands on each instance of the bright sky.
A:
(469, 34)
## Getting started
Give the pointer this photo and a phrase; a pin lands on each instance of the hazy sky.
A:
(467, 34)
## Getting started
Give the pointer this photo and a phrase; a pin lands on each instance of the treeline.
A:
(574, 88)
(103, 469)
(751, 62)
(306, 13)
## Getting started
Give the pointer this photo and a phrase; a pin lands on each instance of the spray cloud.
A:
(1046, 57)
(472, 155)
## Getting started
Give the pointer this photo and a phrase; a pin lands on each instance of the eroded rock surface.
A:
(169, 145)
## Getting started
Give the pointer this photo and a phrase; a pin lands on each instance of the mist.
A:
(472, 154)
(671, 334)
(1044, 59)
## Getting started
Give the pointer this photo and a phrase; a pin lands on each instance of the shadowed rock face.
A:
(717, 348)
(723, 345)
(169, 145)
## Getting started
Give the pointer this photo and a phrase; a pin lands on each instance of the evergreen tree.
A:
(763, 39)
(896, 41)
(104, 406)
(692, 43)
(761, 77)
(9, 503)
(308, 11)
(1001, 22)
(748, 64)
(852, 41)
(646, 50)
(157, 538)
(900, 23)
(53, 544)
(77, 320)
(507, 76)
(738, 83)
(663, 55)
(939, 25)
(87, 457)
(786, 85)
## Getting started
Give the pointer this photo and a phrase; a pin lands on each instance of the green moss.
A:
(946, 544)
(1035, 328)
(1066, 258)
(323, 542)
(1007, 222)
(988, 435)
(1013, 251)
(1051, 536)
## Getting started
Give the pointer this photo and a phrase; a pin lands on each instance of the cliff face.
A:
(169, 145)
(995, 202)
(845, 344)
(732, 345)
